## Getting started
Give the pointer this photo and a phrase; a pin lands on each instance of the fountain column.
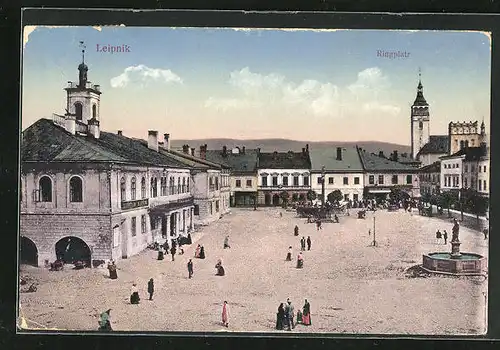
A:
(455, 242)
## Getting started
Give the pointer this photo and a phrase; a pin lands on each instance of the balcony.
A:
(288, 187)
(135, 204)
(89, 85)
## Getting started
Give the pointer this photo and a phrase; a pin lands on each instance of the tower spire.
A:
(83, 69)
(82, 45)
(420, 99)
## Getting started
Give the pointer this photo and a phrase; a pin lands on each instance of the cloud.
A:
(27, 30)
(144, 74)
(368, 93)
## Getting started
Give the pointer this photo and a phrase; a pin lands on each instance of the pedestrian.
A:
(189, 240)
(151, 288)
(318, 225)
(112, 270)
(306, 314)
(289, 254)
(438, 236)
(226, 242)
(296, 231)
(308, 242)
(445, 236)
(303, 244)
(281, 214)
(280, 317)
(225, 314)
(290, 310)
(190, 268)
(161, 253)
(104, 322)
(134, 296)
(485, 232)
(172, 251)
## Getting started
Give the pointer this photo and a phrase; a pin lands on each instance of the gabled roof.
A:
(471, 154)
(373, 162)
(438, 144)
(284, 160)
(45, 141)
(238, 162)
(431, 168)
(327, 157)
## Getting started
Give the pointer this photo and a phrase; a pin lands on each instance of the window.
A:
(480, 184)
(75, 189)
(123, 192)
(45, 184)
(132, 189)
(319, 180)
(211, 184)
(249, 183)
(394, 179)
(295, 180)
(154, 189)
(465, 182)
(346, 181)
(171, 185)
(371, 179)
(472, 142)
(196, 210)
(330, 180)
(264, 181)
(179, 185)
(94, 111)
(484, 185)
(216, 206)
(408, 179)
(211, 208)
(381, 179)
(78, 110)
(472, 168)
(420, 125)
(356, 180)
(133, 226)
(216, 183)
(153, 223)
(143, 188)
(238, 183)
(187, 184)
(479, 168)
(275, 181)
(466, 168)
(346, 197)
(484, 168)
(116, 237)
(306, 180)
(462, 145)
(285, 180)
(355, 197)
(183, 185)
(143, 224)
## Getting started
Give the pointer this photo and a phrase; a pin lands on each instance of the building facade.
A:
(419, 122)
(243, 173)
(381, 175)
(465, 134)
(283, 171)
(340, 169)
(430, 179)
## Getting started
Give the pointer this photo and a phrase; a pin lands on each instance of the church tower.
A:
(83, 97)
(419, 121)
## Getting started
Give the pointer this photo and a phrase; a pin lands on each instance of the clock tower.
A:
(419, 121)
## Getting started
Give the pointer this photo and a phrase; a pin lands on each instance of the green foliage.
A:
(311, 195)
(397, 194)
(284, 195)
(335, 196)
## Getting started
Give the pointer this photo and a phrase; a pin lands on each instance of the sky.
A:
(252, 84)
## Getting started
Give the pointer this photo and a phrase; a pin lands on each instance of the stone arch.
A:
(75, 189)
(71, 249)
(45, 184)
(78, 110)
(28, 253)
(276, 199)
(267, 199)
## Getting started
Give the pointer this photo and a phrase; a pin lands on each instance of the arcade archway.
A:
(276, 199)
(72, 249)
(28, 252)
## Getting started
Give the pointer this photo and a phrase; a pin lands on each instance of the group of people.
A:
(440, 235)
(199, 253)
(164, 249)
(286, 315)
(303, 242)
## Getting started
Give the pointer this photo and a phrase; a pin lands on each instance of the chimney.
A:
(185, 149)
(243, 150)
(381, 154)
(395, 155)
(192, 151)
(303, 150)
(93, 128)
(71, 124)
(307, 148)
(120, 133)
(339, 153)
(224, 151)
(153, 140)
(166, 141)
(203, 151)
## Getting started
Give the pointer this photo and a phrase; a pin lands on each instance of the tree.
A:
(426, 198)
(311, 195)
(284, 195)
(397, 194)
(335, 196)
(446, 199)
(474, 203)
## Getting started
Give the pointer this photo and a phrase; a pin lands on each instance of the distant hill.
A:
(283, 145)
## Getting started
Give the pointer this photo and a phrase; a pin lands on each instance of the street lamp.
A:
(374, 241)
(323, 186)
(461, 189)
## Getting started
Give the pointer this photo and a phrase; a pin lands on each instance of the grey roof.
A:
(438, 144)
(284, 160)
(45, 141)
(431, 168)
(239, 162)
(420, 99)
(373, 162)
(327, 157)
(470, 153)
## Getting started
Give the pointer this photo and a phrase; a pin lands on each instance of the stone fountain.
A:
(456, 262)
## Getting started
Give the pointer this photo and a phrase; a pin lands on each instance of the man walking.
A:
(445, 236)
(151, 289)
(308, 242)
(190, 268)
(303, 244)
(226, 242)
(290, 313)
(172, 251)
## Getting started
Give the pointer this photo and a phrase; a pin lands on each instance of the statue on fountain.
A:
(455, 231)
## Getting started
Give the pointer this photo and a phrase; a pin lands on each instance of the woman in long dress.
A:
(161, 253)
(225, 315)
(197, 251)
(134, 296)
(300, 261)
(104, 323)
(306, 314)
(289, 255)
(202, 252)
(112, 270)
(280, 317)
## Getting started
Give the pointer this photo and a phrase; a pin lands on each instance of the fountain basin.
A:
(464, 264)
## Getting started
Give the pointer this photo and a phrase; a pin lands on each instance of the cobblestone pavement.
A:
(351, 286)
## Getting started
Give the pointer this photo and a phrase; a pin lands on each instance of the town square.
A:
(346, 205)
